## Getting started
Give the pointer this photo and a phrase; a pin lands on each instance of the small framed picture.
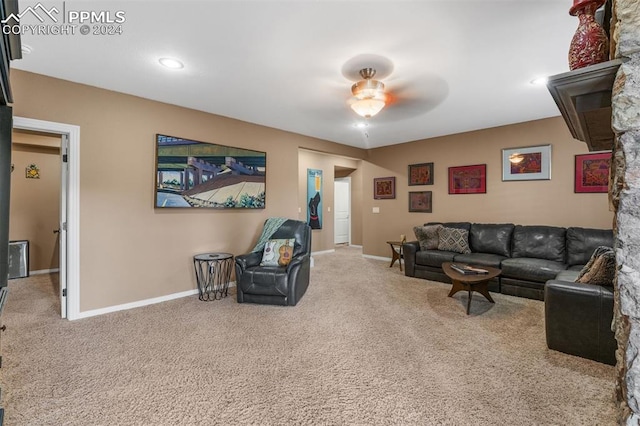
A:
(384, 188)
(420, 201)
(527, 163)
(468, 179)
(421, 174)
(592, 172)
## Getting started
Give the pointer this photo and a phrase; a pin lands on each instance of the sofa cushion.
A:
(601, 268)
(265, 280)
(541, 242)
(568, 275)
(531, 269)
(581, 242)
(458, 225)
(491, 238)
(427, 236)
(483, 259)
(454, 239)
(433, 258)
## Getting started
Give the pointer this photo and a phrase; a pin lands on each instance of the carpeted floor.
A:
(365, 346)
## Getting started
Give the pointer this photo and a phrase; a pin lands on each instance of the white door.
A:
(62, 259)
(342, 210)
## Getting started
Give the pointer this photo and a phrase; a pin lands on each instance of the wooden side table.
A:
(396, 252)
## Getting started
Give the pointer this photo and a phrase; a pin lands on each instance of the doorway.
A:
(35, 198)
(342, 210)
(69, 242)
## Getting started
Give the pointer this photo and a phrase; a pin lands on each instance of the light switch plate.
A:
(376, 209)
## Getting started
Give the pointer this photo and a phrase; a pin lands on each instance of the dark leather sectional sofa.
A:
(529, 256)
(537, 262)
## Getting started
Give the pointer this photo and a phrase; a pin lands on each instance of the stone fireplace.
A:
(625, 199)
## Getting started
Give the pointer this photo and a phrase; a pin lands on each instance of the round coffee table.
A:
(471, 282)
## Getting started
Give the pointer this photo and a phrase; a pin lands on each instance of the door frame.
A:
(72, 234)
(348, 181)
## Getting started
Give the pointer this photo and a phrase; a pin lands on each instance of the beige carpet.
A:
(365, 346)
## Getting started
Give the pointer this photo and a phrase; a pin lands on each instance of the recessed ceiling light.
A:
(361, 125)
(26, 49)
(540, 81)
(174, 64)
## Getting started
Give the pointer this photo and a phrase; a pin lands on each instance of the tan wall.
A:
(322, 239)
(547, 202)
(35, 203)
(130, 251)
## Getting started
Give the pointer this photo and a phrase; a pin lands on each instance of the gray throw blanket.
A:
(270, 227)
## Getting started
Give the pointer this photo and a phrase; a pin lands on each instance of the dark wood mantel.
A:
(584, 99)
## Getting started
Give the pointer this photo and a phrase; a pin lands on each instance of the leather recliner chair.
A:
(276, 285)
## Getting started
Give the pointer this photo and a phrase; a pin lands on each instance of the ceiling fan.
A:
(405, 96)
(369, 94)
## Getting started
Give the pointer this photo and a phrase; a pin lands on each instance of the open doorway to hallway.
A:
(69, 251)
(342, 211)
(35, 204)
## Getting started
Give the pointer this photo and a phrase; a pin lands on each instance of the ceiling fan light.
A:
(367, 107)
(367, 89)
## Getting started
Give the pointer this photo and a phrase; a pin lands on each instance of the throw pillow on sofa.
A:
(454, 239)
(277, 252)
(600, 269)
(427, 236)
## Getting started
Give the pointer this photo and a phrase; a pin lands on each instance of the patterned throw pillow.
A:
(454, 239)
(277, 252)
(600, 269)
(427, 236)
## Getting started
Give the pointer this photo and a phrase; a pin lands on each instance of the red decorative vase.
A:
(590, 44)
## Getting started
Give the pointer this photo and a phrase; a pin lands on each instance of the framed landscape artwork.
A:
(468, 179)
(384, 188)
(421, 174)
(592, 172)
(527, 163)
(420, 201)
(192, 174)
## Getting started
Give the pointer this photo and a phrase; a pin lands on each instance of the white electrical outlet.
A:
(376, 209)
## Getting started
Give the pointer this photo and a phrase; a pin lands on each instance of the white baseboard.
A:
(44, 271)
(369, 256)
(141, 303)
(323, 252)
(355, 245)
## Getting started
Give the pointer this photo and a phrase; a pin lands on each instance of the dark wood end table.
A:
(472, 282)
(396, 253)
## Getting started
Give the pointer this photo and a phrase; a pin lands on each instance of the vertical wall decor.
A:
(314, 194)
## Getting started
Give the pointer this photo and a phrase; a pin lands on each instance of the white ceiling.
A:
(454, 66)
